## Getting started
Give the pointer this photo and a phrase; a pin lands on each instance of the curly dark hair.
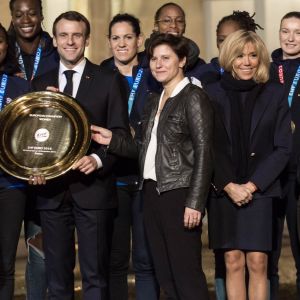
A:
(243, 19)
(158, 12)
(12, 2)
(10, 64)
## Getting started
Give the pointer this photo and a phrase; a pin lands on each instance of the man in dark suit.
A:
(85, 197)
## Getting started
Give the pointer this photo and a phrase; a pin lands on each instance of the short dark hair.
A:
(291, 14)
(242, 19)
(130, 19)
(73, 16)
(158, 12)
(176, 43)
(12, 2)
(10, 64)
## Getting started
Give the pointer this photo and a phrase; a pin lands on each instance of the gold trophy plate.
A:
(42, 133)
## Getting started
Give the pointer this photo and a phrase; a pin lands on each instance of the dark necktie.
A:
(69, 86)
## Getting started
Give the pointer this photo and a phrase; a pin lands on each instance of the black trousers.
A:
(286, 207)
(94, 231)
(12, 208)
(176, 251)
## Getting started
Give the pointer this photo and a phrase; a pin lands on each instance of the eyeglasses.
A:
(167, 21)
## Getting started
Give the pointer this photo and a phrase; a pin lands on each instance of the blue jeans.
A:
(220, 275)
(129, 221)
(35, 276)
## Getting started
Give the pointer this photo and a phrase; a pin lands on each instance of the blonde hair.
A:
(233, 47)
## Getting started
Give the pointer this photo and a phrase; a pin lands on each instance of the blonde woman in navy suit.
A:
(252, 143)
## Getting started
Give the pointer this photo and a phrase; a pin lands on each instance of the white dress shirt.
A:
(62, 81)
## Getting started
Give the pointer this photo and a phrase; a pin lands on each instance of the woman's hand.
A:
(101, 135)
(192, 218)
(240, 194)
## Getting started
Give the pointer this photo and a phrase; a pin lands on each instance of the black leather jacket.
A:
(184, 140)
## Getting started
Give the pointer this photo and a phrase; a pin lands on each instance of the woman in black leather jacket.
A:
(175, 161)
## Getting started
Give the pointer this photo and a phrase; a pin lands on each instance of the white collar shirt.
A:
(62, 81)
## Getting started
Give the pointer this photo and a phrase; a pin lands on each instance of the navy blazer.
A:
(15, 87)
(99, 93)
(270, 139)
(49, 57)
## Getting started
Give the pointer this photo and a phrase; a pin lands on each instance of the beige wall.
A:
(214, 11)
(4, 15)
(202, 18)
(102, 12)
(274, 11)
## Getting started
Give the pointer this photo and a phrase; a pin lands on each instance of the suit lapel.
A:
(260, 106)
(224, 106)
(85, 82)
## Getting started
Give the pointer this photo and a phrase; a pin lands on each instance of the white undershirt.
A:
(62, 80)
(149, 171)
(149, 167)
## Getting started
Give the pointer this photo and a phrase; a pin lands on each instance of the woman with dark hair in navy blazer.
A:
(285, 69)
(129, 238)
(12, 190)
(34, 48)
(36, 56)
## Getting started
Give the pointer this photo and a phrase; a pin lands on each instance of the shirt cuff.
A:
(98, 160)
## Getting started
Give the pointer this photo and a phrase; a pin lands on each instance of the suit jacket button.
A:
(252, 154)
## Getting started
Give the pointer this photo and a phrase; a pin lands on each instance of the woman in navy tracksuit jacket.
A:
(12, 190)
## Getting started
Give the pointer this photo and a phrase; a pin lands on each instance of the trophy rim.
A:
(44, 99)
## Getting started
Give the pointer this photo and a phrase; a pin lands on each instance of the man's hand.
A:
(191, 218)
(37, 180)
(101, 135)
(86, 165)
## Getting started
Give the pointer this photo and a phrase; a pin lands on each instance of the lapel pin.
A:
(87, 77)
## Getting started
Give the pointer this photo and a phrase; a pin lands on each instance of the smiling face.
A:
(165, 65)
(70, 40)
(124, 43)
(246, 64)
(171, 20)
(289, 36)
(26, 18)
